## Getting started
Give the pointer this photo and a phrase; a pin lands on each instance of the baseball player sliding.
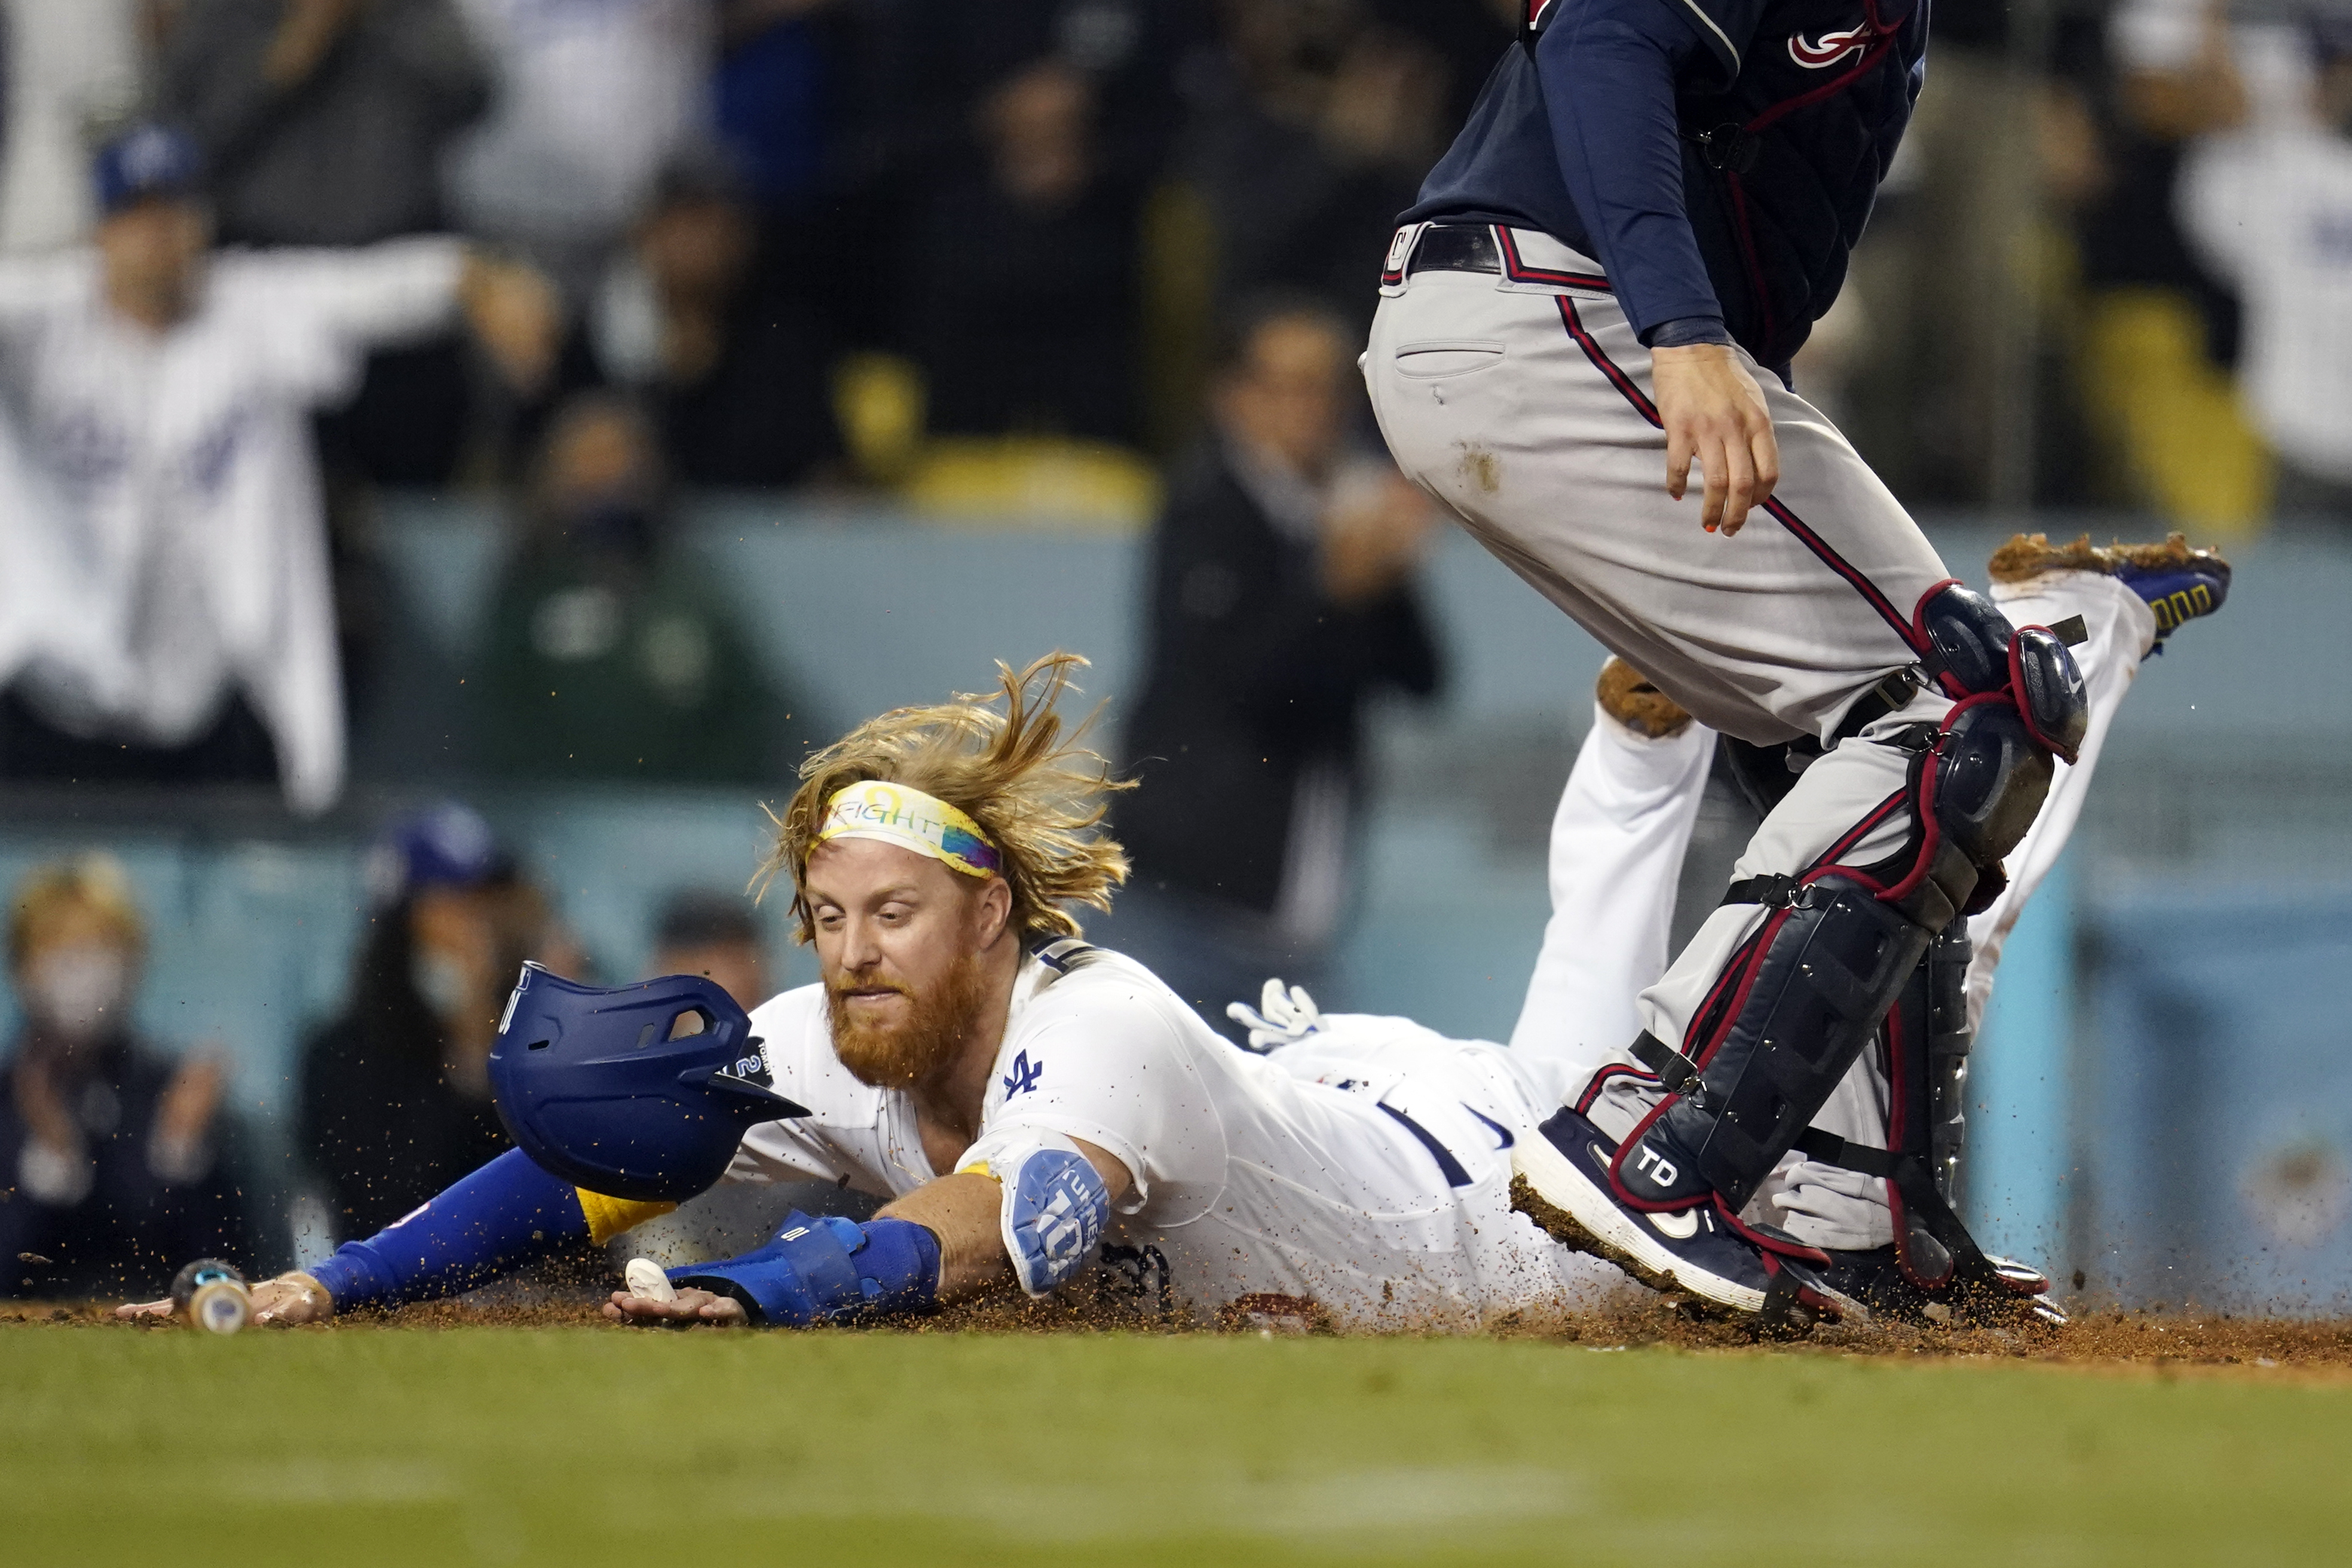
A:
(1025, 1098)
(1026, 1102)
(1602, 285)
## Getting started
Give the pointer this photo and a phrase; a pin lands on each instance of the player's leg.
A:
(1617, 842)
(1549, 450)
(2118, 592)
(2111, 593)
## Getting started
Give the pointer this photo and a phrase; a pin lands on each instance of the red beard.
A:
(901, 1055)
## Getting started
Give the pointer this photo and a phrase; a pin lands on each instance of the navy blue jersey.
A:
(1717, 157)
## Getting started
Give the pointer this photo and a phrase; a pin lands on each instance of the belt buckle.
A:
(1402, 246)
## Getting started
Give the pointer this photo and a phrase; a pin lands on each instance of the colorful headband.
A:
(901, 814)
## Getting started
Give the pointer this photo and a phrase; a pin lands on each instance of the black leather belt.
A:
(1455, 248)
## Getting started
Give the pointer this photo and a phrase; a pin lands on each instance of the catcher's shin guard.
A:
(1795, 1010)
(1941, 1106)
(1810, 990)
(1934, 1263)
(1927, 1042)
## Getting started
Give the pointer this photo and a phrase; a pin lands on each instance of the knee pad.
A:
(2051, 696)
(1975, 651)
(1986, 780)
(1976, 788)
(1056, 1203)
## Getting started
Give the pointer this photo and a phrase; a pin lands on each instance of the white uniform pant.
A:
(1525, 405)
(1617, 845)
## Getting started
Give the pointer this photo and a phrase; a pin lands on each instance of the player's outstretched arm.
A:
(986, 1220)
(291, 1299)
(491, 1222)
(961, 1236)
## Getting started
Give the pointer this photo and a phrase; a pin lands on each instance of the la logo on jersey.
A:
(1830, 49)
(1024, 1077)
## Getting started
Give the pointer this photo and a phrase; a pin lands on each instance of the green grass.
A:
(581, 1447)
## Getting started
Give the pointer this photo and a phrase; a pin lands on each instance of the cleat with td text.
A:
(1562, 1182)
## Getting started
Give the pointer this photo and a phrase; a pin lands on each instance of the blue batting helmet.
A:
(599, 1087)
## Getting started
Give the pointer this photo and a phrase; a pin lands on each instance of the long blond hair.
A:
(1003, 760)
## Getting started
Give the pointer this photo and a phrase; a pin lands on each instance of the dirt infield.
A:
(2148, 1341)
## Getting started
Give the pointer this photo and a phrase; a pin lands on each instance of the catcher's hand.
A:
(1285, 1014)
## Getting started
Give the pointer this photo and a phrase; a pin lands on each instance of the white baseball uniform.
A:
(1369, 1174)
(165, 484)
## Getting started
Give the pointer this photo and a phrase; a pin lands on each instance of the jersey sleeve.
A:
(34, 286)
(1104, 1064)
(1609, 72)
(376, 296)
(789, 1152)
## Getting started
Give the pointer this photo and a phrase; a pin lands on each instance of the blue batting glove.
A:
(821, 1270)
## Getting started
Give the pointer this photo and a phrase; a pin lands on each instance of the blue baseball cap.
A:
(147, 160)
(444, 846)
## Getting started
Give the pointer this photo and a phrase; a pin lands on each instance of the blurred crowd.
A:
(264, 263)
(2109, 269)
(124, 1155)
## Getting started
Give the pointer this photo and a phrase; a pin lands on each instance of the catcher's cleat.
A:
(2017, 1292)
(1626, 695)
(2179, 583)
(1562, 1182)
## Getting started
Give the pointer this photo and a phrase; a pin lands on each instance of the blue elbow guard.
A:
(505, 1214)
(818, 1270)
(1056, 1206)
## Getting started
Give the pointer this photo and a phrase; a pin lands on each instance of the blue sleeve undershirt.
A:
(505, 1214)
(1607, 70)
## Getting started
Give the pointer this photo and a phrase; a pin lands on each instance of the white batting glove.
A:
(1285, 1014)
(1828, 1205)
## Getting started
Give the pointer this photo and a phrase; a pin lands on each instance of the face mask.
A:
(78, 991)
(441, 980)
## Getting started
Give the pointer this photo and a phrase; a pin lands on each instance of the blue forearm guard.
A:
(505, 1214)
(816, 1270)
